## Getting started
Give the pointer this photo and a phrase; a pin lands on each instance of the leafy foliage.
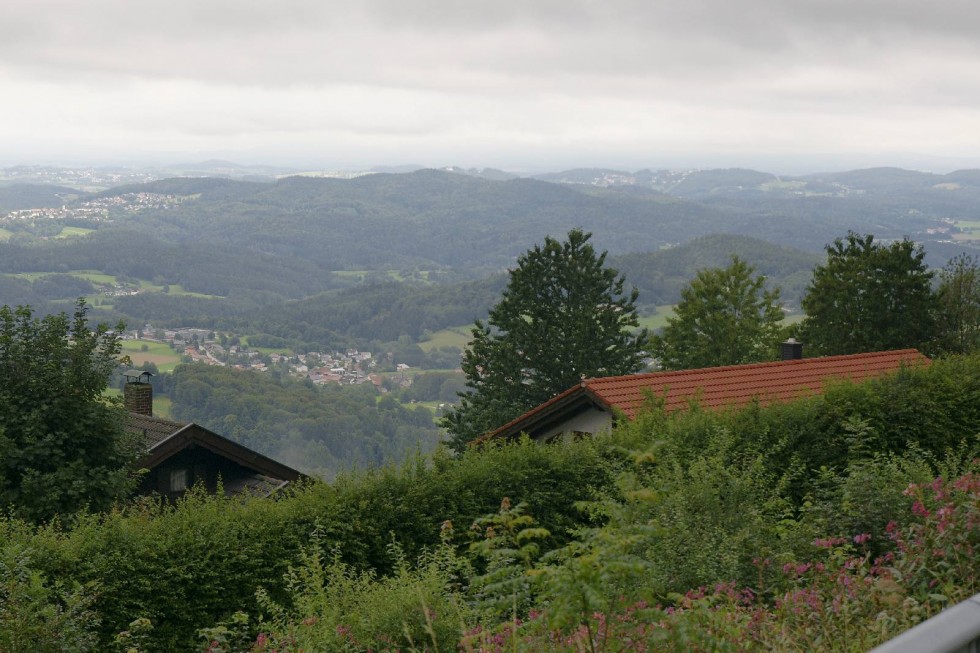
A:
(725, 317)
(742, 502)
(563, 317)
(320, 429)
(869, 297)
(959, 305)
(38, 616)
(62, 446)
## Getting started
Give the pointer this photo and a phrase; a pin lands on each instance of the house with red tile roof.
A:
(594, 404)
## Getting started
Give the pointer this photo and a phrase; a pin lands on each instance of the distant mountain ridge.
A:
(247, 244)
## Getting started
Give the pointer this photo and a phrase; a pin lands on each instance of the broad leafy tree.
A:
(959, 305)
(726, 316)
(869, 296)
(62, 445)
(563, 317)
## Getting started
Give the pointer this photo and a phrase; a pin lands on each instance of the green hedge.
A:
(192, 565)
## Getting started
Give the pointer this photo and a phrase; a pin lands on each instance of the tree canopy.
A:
(869, 297)
(563, 316)
(959, 305)
(725, 317)
(62, 444)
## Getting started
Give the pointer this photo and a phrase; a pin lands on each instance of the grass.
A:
(268, 350)
(451, 337)
(161, 355)
(970, 230)
(5, 234)
(173, 289)
(73, 232)
(94, 276)
(659, 319)
(162, 405)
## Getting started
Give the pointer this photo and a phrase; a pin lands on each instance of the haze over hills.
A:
(224, 248)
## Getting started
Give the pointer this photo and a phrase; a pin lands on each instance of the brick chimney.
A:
(138, 393)
(791, 350)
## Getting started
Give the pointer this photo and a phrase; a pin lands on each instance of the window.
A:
(178, 480)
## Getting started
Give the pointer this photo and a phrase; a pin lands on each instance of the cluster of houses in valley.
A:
(351, 367)
(101, 209)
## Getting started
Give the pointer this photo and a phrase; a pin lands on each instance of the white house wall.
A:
(591, 421)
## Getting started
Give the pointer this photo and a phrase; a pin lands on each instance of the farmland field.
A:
(161, 355)
(73, 232)
(970, 230)
(451, 337)
(659, 320)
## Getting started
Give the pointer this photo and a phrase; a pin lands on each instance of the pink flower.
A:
(862, 538)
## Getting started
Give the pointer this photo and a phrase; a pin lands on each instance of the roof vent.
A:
(791, 350)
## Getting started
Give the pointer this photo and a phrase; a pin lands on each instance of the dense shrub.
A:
(620, 523)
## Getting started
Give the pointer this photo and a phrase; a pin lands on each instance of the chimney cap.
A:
(136, 376)
(791, 349)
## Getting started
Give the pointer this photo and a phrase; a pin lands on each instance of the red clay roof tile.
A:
(719, 387)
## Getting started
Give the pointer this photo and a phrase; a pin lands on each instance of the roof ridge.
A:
(750, 366)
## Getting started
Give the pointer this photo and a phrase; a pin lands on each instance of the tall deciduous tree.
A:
(725, 317)
(564, 316)
(959, 305)
(62, 445)
(869, 297)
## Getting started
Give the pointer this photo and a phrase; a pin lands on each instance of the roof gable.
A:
(714, 387)
(194, 434)
(164, 438)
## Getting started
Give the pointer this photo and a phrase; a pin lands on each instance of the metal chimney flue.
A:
(791, 350)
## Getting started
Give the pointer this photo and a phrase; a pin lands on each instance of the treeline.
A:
(212, 268)
(322, 430)
(660, 276)
(797, 522)
(41, 292)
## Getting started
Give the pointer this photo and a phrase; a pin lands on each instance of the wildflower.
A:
(861, 538)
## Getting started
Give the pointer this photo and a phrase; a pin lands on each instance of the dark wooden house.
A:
(180, 456)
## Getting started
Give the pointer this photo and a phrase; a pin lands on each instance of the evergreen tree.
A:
(62, 444)
(725, 317)
(959, 305)
(869, 297)
(563, 317)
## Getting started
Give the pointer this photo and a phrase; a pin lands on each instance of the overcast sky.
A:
(522, 85)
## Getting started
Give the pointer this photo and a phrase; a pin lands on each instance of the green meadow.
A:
(659, 319)
(452, 337)
(73, 232)
(161, 355)
(970, 230)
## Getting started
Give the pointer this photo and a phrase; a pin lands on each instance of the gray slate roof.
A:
(153, 429)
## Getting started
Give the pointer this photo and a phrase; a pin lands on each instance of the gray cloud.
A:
(520, 72)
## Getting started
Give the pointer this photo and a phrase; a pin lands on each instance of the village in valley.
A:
(350, 367)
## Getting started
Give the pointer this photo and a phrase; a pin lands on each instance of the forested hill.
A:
(385, 312)
(221, 251)
(427, 218)
(660, 275)
(30, 196)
